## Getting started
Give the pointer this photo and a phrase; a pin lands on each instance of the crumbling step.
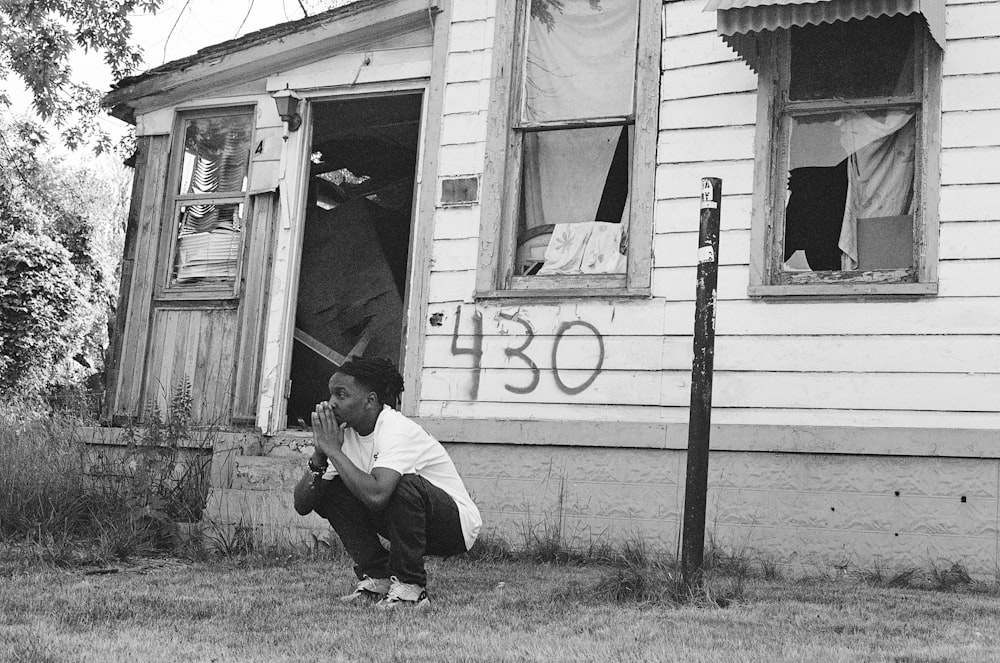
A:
(259, 497)
(258, 509)
(267, 473)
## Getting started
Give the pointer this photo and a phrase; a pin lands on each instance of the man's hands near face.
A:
(328, 434)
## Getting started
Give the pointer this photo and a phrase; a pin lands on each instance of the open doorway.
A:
(355, 246)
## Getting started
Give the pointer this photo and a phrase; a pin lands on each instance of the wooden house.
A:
(503, 196)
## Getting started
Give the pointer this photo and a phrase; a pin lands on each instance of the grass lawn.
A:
(481, 611)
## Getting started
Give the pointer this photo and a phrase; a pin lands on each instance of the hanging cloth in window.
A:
(741, 21)
(208, 238)
(880, 172)
(564, 174)
(580, 60)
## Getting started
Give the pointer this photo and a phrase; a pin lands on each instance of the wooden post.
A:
(700, 417)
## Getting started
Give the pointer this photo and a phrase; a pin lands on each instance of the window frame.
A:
(174, 199)
(774, 115)
(502, 173)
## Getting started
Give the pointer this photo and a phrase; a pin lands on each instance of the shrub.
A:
(38, 295)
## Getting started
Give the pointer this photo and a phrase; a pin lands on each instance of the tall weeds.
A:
(43, 485)
(67, 500)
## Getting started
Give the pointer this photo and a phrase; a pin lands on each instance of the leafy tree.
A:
(36, 40)
(61, 233)
(60, 217)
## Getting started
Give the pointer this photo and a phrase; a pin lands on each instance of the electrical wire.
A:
(244, 21)
(173, 27)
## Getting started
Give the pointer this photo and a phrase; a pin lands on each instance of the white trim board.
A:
(876, 441)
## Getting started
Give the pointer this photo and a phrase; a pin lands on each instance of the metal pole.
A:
(700, 417)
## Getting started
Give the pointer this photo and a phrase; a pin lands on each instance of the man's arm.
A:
(375, 489)
(306, 493)
(307, 489)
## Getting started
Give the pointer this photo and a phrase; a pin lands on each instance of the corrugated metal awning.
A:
(740, 21)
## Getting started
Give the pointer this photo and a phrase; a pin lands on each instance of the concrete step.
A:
(270, 473)
(258, 508)
(255, 493)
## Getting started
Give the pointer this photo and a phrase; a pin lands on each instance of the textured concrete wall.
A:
(806, 512)
(591, 496)
(829, 510)
(257, 494)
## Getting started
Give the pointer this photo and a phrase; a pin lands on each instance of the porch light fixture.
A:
(288, 108)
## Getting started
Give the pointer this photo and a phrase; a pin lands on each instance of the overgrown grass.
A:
(78, 588)
(480, 611)
(72, 503)
(79, 585)
(630, 573)
(953, 578)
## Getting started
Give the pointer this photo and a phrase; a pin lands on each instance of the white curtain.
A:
(880, 172)
(565, 172)
(580, 60)
(580, 65)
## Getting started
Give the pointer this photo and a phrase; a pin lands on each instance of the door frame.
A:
(273, 401)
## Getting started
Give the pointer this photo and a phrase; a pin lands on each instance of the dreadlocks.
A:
(379, 375)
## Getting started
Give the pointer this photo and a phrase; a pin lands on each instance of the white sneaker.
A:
(401, 593)
(368, 588)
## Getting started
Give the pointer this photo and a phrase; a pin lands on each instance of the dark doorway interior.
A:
(355, 247)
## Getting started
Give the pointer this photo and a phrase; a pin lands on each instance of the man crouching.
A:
(375, 472)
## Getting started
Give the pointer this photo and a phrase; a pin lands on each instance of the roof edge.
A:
(184, 70)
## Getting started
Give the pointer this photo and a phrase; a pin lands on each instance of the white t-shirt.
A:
(400, 444)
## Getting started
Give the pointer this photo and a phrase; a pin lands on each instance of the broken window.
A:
(209, 201)
(568, 212)
(579, 66)
(849, 132)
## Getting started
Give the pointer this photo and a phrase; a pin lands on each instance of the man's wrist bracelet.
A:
(314, 469)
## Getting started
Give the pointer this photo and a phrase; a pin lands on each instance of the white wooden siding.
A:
(970, 240)
(931, 362)
(726, 110)
(736, 416)
(967, 20)
(455, 159)
(971, 128)
(462, 152)
(674, 215)
(853, 356)
(456, 223)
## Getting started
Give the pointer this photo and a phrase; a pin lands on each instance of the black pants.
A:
(420, 519)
